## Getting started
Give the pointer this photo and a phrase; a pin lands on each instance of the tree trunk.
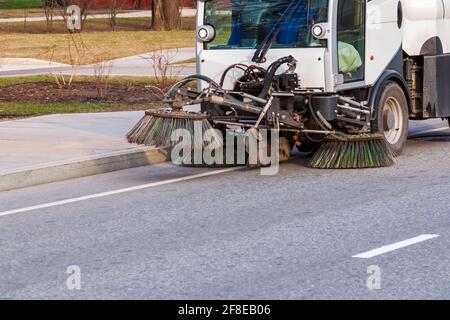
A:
(113, 14)
(138, 4)
(172, 15)
(49, 6)
(158, 21)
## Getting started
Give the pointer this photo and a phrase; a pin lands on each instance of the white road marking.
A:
(115, 192)
(395, 246)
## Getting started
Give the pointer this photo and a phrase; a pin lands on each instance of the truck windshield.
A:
(246, 23)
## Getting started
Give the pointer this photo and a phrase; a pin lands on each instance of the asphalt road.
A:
(237, 234)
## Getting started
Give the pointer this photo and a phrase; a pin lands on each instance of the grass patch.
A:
(12, 110)
(46, 78)
(21, 4)
(13, 80)
(100, 45)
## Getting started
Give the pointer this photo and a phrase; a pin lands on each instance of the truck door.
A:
(351, 39)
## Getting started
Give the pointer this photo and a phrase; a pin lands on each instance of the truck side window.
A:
(351, 39)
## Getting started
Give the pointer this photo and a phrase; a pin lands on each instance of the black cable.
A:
(242, 67)
(173, 91)
(311, 109)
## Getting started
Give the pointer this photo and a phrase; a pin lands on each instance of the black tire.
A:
(392, 116)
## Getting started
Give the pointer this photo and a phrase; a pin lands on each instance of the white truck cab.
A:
(366, 65)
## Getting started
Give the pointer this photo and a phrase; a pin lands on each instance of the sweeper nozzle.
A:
(354, 152)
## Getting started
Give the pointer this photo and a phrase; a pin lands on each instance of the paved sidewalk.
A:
(139, 65)
(58, 147)
(61, 137)
(18, 64)
(142, 64)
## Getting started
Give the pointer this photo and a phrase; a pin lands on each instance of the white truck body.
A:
(422, 20)
(366, 45)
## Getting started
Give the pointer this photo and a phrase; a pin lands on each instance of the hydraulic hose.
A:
(173, 91)
(271, 72)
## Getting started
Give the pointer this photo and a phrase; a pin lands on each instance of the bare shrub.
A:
(164, 73)
(102, 75)
(85, 6)
(25, 17)
(60, 79)
(49, 7)
(112, 14)
(78, 56)
(114, 7)
(2, 51)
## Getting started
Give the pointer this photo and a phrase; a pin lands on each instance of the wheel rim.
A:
(393, 122)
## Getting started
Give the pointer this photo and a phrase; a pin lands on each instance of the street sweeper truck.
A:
(338, 77)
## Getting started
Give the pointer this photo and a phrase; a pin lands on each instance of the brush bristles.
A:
(156, 131)
(353, 154)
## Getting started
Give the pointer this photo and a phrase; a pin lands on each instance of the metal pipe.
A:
(352, 103)
(316, 131)
(266, 127)
(353, 109)
(233, 103)
(252, 97)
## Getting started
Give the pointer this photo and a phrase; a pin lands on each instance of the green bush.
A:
(21, 4)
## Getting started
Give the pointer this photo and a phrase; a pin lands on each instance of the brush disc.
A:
(356, 152)
(176, 114)
(157, 127)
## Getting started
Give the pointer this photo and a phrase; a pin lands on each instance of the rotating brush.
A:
(157, 127)
(355, 152)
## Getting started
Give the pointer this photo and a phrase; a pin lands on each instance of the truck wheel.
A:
(391, 117)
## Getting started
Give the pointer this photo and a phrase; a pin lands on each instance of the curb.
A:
(81, 167)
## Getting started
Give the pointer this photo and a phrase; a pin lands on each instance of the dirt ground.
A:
(82, 92)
